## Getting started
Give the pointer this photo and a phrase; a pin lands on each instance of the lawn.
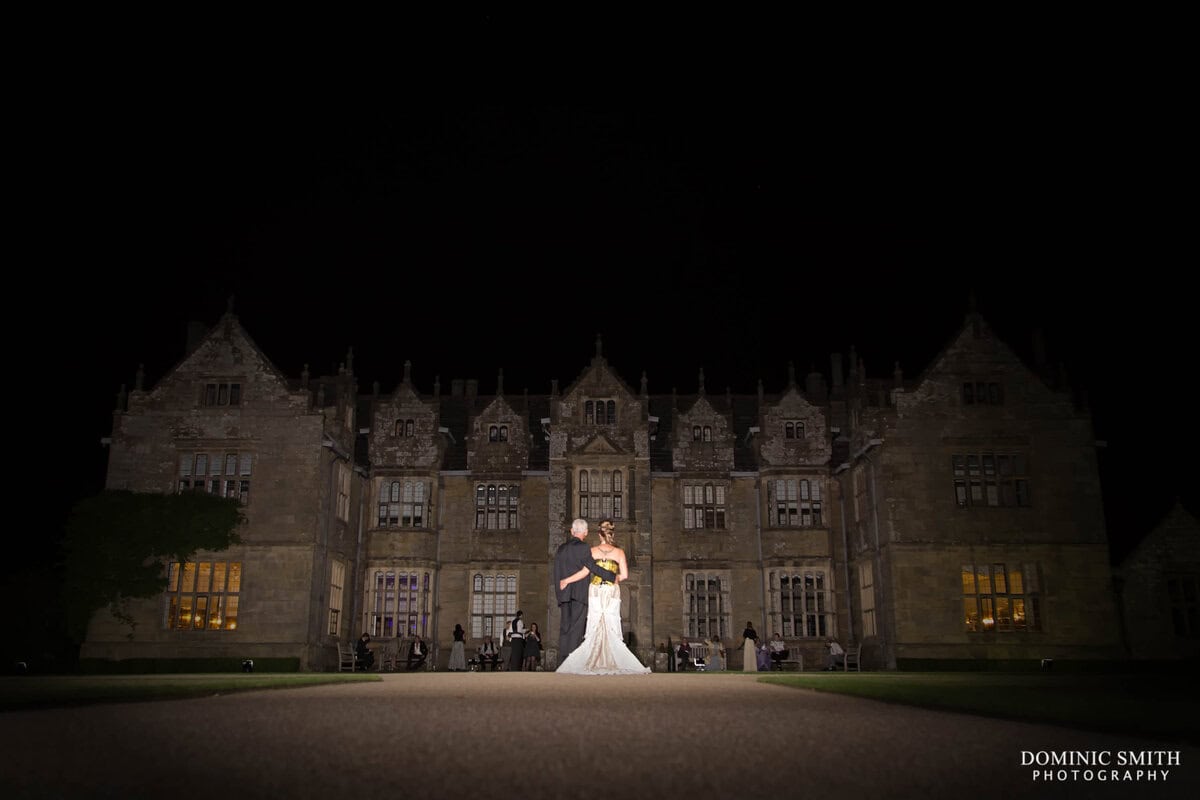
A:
(26, 692)
(1162, 706)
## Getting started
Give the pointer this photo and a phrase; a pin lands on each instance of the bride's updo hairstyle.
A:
(606, 532)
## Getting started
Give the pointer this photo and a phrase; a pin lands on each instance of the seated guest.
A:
(488, 654)
(685, 655)
(365, 657)
(835, 657)
(416, 653)
(778, 652)
(764, 658)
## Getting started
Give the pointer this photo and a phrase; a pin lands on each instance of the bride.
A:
(603, 652)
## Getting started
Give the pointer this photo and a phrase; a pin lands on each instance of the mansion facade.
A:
(951, 517)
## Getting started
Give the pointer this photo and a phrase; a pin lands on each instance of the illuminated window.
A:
(703, 505)
(801, 603)
(1001, 597)
(337, 581)
(990, 479)
(403, 503)
(795, 502)
(397, 602)
(493, 603)
(601, 494)
(706, 604)
(222, 474)
(203, 595)
(496, 506)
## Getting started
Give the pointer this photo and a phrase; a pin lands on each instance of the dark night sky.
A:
(736, 240)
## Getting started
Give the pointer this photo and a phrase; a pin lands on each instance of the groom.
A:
(573, 600)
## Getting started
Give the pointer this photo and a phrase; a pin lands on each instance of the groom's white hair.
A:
(579, 526)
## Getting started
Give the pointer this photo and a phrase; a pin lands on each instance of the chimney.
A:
(456, 387)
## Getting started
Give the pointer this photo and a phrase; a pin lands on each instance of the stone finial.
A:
(140, 378)
(375, 388)
(437, 385)
(407, 372)
(350, 360)
(304, 377)
(599, 347)
(121, 398)
(229, 305)
(645, 384)
(342, 368)
(554, 387)
(700, 383)
(791, 374)
(898, 375)
(500, 382)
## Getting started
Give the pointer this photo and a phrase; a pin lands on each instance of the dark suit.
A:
(573, 601)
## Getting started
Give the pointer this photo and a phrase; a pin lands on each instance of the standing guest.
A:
(458, 653)
(363, 652)
(516, 633)
(749, 649)
(488, 655)
(533, 647)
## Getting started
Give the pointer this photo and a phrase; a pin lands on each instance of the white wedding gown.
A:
(603, 651)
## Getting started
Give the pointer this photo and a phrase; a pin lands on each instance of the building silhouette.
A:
(950, 518)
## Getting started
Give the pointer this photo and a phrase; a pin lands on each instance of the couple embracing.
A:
(589, 640)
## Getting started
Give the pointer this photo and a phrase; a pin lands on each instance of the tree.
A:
(116, 543)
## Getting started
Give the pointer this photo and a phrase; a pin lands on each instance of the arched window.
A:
(695, 433)
(504, 433)
(708, 433)
(493, 434)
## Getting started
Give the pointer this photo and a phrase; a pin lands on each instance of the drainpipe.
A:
(323, 576)
(358, 553)
(762, 586)
(845, 550)
(874, 495)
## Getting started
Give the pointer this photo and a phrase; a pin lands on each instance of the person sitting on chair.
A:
(488, 654)
(416, 653)
(836, 656)
(363, 653)
(685, 655)
(778, 652)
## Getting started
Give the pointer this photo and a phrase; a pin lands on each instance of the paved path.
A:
(534, 735)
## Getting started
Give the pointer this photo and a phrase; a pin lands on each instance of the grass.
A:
(29, 692)
(1160, 706)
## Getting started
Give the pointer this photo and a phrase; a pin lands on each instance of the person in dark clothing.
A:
(366, 658)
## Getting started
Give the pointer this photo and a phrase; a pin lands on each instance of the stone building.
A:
(955, 516)
(1159, 590)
